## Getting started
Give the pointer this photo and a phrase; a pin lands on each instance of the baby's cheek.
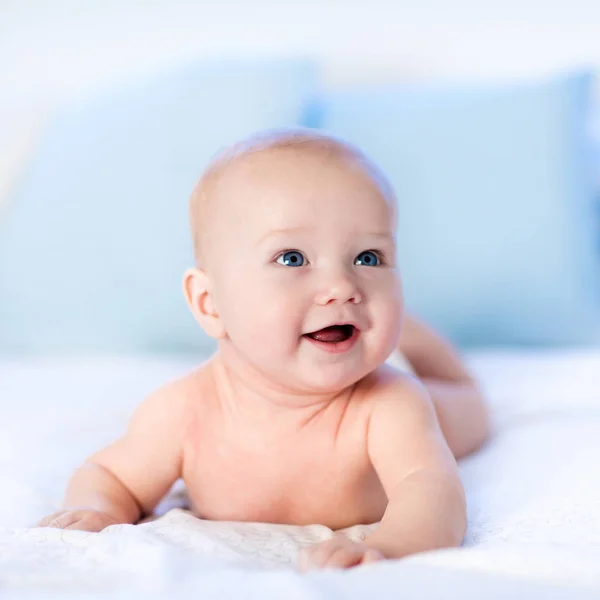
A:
(387, 316)
(270, 314)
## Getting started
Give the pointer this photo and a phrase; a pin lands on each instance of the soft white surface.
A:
(533, 492)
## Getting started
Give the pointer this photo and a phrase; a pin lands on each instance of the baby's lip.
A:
(335, 324)
(336, 339)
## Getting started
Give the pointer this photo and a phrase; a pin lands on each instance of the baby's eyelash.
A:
(381, 255)
(282, 253)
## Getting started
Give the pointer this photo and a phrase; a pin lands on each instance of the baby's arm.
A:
(127, 479)
(457, 399)
(426, 501)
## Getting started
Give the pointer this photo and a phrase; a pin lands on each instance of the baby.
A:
(296, 419)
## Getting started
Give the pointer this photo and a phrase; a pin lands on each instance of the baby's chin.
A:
(310, 370)
(322, 371)
(331, 378)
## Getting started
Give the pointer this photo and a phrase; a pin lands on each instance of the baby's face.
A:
(302, 264)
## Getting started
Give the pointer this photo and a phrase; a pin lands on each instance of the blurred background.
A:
(483, 114)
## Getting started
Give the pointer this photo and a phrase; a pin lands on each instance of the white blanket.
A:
(533, 495)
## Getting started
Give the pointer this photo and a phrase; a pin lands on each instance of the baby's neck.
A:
(247, 394)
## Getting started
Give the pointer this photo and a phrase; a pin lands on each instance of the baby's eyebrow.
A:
(386, 235)
(282, 231)
(376, 235)
(374, 238)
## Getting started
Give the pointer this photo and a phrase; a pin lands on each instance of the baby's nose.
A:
(340, 289)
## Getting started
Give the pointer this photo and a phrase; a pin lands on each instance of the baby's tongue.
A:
(332, 334)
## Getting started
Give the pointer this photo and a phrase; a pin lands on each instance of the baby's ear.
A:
(196, 289)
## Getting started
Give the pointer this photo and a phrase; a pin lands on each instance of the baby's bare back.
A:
(280, 472)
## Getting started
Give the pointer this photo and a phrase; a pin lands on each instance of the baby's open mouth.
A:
(333, 334)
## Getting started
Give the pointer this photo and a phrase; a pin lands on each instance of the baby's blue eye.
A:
(368, 258)
(292, 258)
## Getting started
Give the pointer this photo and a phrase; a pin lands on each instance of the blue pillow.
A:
(95, 239)
(496, 231)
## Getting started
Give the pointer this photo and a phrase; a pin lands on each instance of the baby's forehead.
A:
(248, 172)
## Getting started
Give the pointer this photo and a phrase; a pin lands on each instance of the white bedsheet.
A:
(533, 495)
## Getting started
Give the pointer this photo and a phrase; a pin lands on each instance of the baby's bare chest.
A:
(304, 479)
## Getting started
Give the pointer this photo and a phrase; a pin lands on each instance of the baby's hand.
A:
(338, 552)
(81, 519)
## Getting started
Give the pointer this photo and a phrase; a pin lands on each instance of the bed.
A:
(533, 495)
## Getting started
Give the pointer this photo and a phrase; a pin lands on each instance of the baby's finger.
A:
(304, 559)
(92, 522)
(84, 525)
(44, 522)
(316, 556)
(343, 558)
(372, 555)
(59, 520)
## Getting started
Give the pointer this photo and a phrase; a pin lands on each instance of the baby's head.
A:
(294, 239)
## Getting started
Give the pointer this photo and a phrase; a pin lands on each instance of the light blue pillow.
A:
(496, 230)
(95, 239)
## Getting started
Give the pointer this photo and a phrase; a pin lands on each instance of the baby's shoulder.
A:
(388, 385)
(397, 403)
(171, 402)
